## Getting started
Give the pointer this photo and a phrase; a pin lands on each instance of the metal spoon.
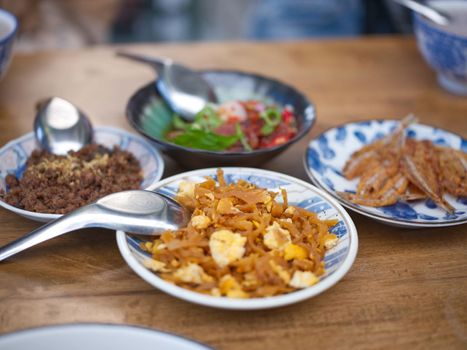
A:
(136, 211)
(59, 126)
(184, 90)
(436, 16)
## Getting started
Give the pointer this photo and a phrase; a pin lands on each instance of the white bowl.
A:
(8, 29)
(337, 260)
(14, 154)
(444, 48)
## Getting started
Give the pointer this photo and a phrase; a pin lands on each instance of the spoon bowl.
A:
(136, 211)
(429, 12)
(59, 126)
(184, 90)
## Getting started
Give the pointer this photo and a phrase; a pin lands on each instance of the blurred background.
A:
(49, 24)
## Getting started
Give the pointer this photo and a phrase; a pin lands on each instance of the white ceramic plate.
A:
(96, 337)
(326, 156)
(337, 260)
(14, 154)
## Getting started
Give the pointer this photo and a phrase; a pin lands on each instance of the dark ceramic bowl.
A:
(150, 116)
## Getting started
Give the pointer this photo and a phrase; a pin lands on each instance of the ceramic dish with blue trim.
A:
(327, 154)
(13, 157)
(149, 115)
(338, 260)
(9, 28)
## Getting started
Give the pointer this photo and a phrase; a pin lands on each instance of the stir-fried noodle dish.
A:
(241, 242)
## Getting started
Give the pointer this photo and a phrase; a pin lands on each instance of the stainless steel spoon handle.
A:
(48, 231)
(157, 63)
(136, 211)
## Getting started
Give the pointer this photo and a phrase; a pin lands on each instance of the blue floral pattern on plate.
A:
(325, 171)
(13, 158)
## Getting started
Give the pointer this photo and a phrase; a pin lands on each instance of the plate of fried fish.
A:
(399, 172)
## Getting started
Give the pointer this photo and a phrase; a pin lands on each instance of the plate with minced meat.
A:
(256, 239)
(42, 186)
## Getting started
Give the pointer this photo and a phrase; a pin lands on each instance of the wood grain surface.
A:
(407, 288)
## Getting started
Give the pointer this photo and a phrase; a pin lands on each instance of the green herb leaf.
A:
(272, 118)
(267, 129)
(206, 140)
(241, 136)
(207, 119)
(179, 123)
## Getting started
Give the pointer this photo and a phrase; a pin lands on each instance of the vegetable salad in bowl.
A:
(256, 119)
(235, 126)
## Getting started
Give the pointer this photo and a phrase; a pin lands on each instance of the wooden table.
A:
(407, 288)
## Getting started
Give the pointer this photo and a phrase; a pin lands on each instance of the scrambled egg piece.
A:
(289, 211)
(281, 272)
(225, 206)
(153, 247)
(186, 189)
(209, 195)
(303, 279)
(226, 247)
(215, 292)
(148, 246)
(200, 221)
(192, 273)
(250, 280)
(276, 237)
(155, 265)
(230, 287)
(293, 251)
(331, 241)
(268, 203)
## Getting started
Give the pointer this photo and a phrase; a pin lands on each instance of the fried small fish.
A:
(452, 171)
(420, 165)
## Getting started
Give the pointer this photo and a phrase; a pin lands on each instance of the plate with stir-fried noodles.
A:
(256, 239)
(396, 171)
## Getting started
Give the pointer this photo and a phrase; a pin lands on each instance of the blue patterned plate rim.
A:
(123, 242)
(46, 216)
(361, 209)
